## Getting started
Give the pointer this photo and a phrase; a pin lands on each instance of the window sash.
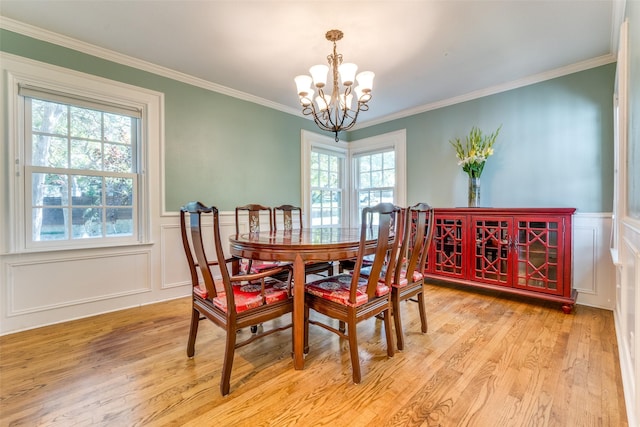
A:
(74, 224)
(108, 211)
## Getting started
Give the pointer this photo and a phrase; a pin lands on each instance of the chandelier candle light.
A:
(335, 112)
(472, 154)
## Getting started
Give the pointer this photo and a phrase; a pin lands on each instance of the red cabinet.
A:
(522, 251)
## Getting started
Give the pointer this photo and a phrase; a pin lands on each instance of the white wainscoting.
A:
(43, 285)
(626, 315)
(593, 269)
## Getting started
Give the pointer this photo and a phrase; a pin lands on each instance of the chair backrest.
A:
(195, 211)
(195, 281)
(253, 211)
(417, 239)
(291, 217)
(387, 234)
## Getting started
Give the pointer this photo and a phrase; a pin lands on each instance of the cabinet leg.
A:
(567, 308)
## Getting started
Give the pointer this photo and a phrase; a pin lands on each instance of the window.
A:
(327, 179)
(80, 170)
(375, 178)
(339, 179)
(79, 153)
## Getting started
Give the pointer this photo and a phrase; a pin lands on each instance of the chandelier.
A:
(335, 112)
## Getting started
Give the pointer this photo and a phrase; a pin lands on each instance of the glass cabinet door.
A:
(491, 243)
(447, 249)
(538, 248)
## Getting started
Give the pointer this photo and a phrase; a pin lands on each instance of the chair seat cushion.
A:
(336, 289)
(260, 266)
(247, 295)
(417, 276)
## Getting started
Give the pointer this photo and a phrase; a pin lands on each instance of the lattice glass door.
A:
(538, 245)
(446, 256)
(492, 241)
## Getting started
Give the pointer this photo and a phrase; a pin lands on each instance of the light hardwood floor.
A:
(488, 360)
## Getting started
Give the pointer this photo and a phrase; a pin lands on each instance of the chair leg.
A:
(306, 330)
(341, 326)
(227, 364)
(423, 313)
(387, 332)
(193, 331)
(397, 319)
(353, 349)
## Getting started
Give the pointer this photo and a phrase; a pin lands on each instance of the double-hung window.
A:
(340, 179)
(79, 155)
(375, 178)
(80, 168)
(326, 187)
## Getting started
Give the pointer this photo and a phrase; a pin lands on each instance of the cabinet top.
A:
(507, 211)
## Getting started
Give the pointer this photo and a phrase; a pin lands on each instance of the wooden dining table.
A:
(299, 247)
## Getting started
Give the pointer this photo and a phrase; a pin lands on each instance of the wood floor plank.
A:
(488, 360)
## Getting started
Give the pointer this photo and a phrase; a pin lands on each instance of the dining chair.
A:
(252, 213)
(289, 218)
(408, 279)
(234, 301)
(350, 298)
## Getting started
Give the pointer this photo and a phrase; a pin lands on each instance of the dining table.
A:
(299, 247)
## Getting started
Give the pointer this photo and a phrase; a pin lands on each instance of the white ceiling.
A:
(424, 53)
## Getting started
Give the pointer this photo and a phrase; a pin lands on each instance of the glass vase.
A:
(474, 192)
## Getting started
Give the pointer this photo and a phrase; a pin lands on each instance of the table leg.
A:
(298, 312)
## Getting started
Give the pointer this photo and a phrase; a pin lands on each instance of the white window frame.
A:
(392, 140)
(19, 71)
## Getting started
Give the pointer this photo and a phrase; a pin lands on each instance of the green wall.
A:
(555, 147)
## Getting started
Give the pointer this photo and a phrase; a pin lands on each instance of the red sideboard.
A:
(517, 250)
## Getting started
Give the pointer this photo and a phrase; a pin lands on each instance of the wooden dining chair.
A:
(252, 214)
(408, 279)
(289, 218)
(236, 300)
(350, 298)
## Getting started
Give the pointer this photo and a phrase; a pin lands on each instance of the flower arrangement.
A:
(474, 152)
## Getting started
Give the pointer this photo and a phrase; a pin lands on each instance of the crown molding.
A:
(89, 49)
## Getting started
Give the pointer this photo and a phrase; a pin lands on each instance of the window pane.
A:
(49, 224)
(86, 190)
(119, 191)
(86, 155)
(389, 160)
(117, 128)
(389, 178)
(117, 158)
(49, 117)
(87, 222)
(86, 123)
(49, 189)
(119, 222)
(49, 151)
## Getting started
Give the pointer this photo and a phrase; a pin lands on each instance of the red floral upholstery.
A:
(201, 292)
(247, 295)
(417, 276)
(259, 266)
(336, 289)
